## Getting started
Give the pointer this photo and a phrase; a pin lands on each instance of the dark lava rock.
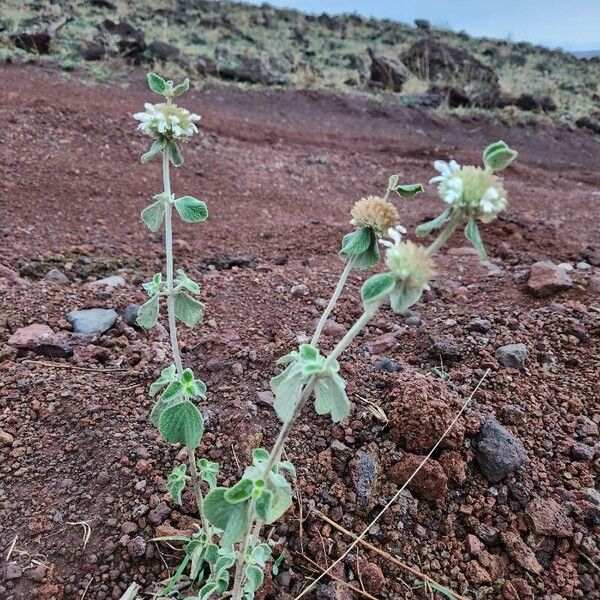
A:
(451, 95)
(130, 314)
(497, 451)
(11, 571)
(363, 473)
(422, 24)
(580, 451)
(38, 42)
(103, 4)
(512, 356)
(386, 72)
(92, 320)
(92, 51)
(535, 103)
(591, 122)
(479, 325)
(162, 51)
(269, 71)
(129, 40)
(222, 261)
(137, 546)
(441, 64)
(388, 365)
(42, 340)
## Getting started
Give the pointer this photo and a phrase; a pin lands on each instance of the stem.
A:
(173, 330)
(443, 237)
(334, 299)
(198, 491)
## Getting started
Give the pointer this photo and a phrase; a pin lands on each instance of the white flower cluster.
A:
(167, 120)
(475, 190)
(408, 261)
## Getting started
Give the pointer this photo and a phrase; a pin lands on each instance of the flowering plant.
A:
(227, 542)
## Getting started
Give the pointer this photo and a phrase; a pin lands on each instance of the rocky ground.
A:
(417, 65)
(507, 508)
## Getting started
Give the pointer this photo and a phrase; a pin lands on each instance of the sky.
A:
(571, 24)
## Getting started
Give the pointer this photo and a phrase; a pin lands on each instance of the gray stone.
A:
(479, 325)
(497, 451)
(512, 356)
(56, 276)
(266, 397)
(363, 473)
(137, 546)
(92, 320)
(580, 451)
(546, 278)
(12, 571)
(108, 282)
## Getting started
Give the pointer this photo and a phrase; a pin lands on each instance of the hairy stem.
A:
(333, 301)
(173, 329)
(445, 234)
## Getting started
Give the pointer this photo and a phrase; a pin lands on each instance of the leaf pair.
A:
(405, 190)
(176, 482)
(378, 287)
(189, 209)
(165, 88)
(498, 156)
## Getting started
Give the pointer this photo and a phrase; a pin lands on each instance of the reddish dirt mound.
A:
(78, 447)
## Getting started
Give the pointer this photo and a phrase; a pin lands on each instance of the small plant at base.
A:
(232, 517)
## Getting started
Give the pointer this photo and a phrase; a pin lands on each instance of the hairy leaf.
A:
(424, 228)
(147, 316)
(263, 505)
(356, 242)
(155, 286)
(153, 215)
(241, 491)
(260, 454)
(254, 578)
(187, 309)
(403, 297)
(187, 283)
(409, 189)
(377, 287)
(498, 156)
(207, 590)
(182, 424)
(175, 155)
(260, 554)
(208, 472)
(181, 88)
(330, 394)
(157, 147)
(167, 375)
(157, 84)
(191, 210)
(287, 388)
(231, 518)
(176, 482)
(473, 235)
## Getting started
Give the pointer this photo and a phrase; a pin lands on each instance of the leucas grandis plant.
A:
(228, 542)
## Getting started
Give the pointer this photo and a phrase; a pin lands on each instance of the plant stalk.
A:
(445, 234)
(334, 298)
(173, 330)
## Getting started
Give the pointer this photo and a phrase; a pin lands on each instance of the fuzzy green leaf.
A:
(157, 84)
(356, 242)
(147, 316)
(260, 454)
(377, 287)
(231, 518)
(393, 182)
(182, 424)
(166, 376)
(260, 554)
(187, 309)
(369, 258)
(409, 189)
(498, 156)
(289, 467)
(174, 390)
(263, 505)
(254, 579)
(330, 397)
(207, 590)
(186, 282)
(153, 215)
(473, 235)
(157, 147)
(287, 388)
(175, 155)
(424, 228)
(191, 210)
(241, 491)
(208, 472)
(403, 297)
(176, 482)
(181, 88)
(155, 286)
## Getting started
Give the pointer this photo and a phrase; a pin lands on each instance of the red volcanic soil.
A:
(280, 171)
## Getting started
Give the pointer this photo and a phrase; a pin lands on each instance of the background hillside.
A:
(272, 47)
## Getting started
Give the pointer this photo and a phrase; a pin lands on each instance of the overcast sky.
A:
(570, 24)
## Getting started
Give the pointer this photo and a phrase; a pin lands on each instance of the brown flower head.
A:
(375, 212)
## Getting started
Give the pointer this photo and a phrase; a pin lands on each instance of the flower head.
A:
(376, 213)
(167, 120)
(409, 263)
(477, 191)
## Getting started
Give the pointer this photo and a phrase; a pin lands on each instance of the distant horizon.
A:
(541, 22)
